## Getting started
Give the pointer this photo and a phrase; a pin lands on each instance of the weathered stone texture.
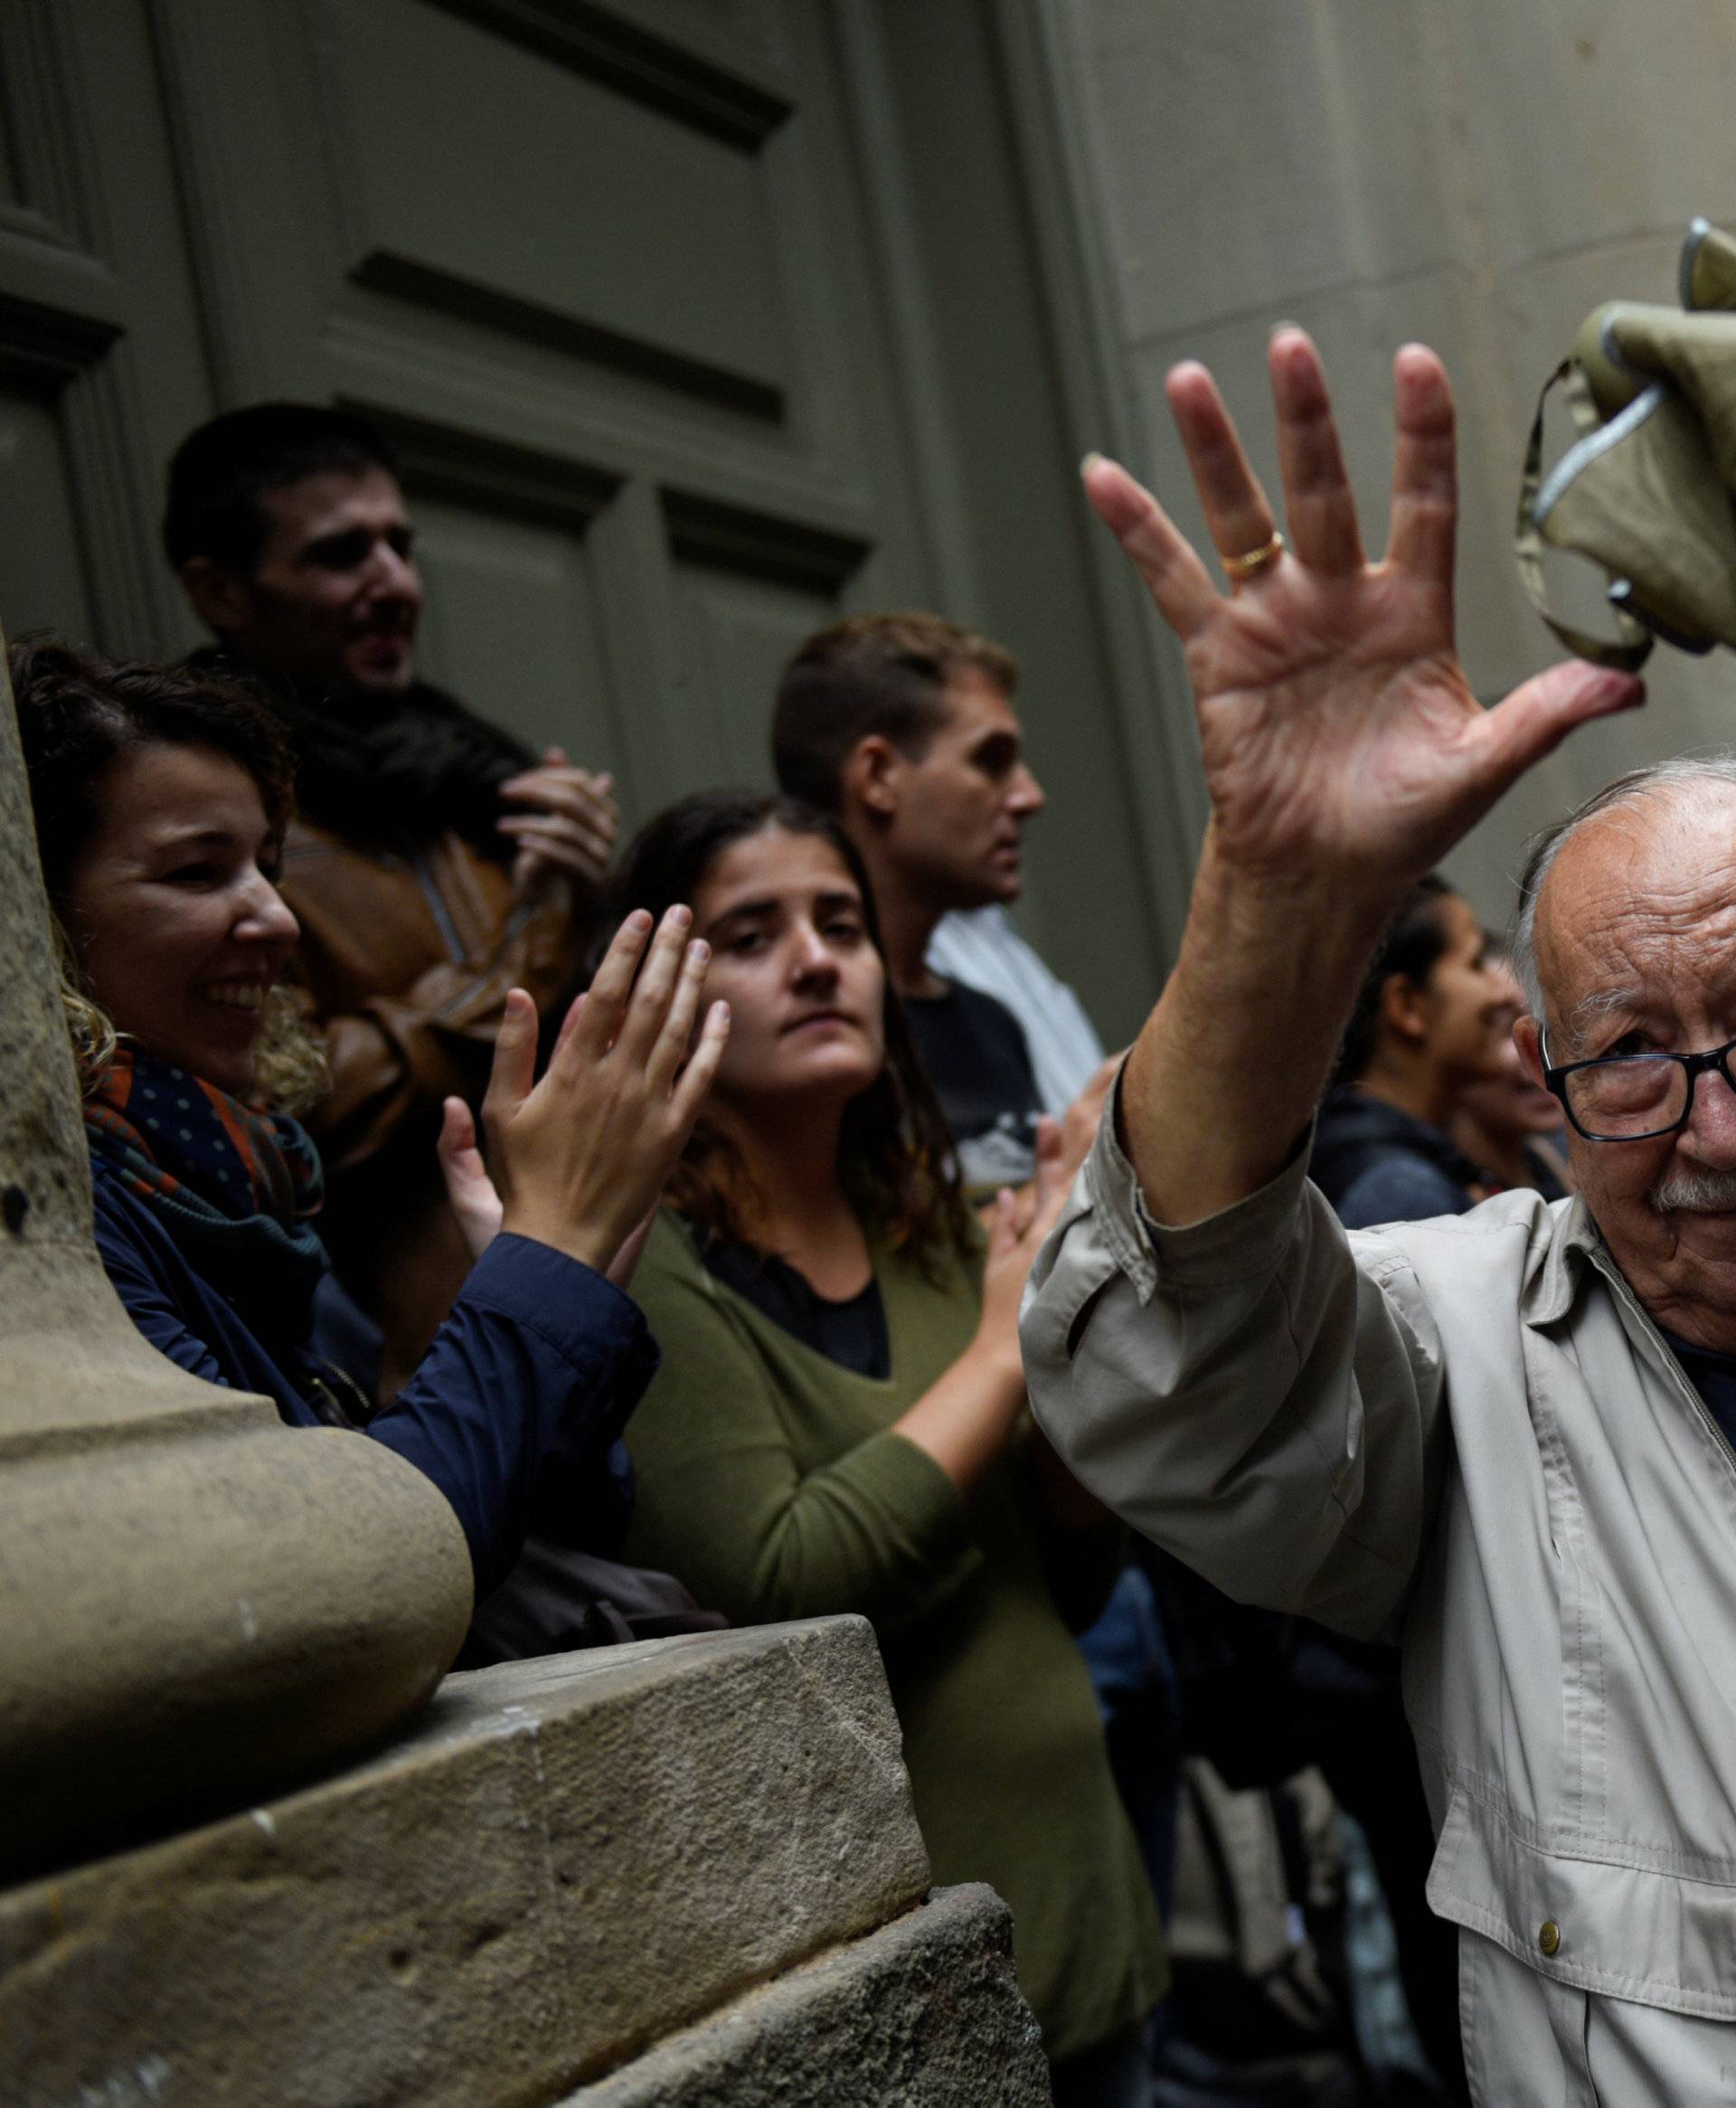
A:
(925, 2014)
(41, 1136)
(185, 1625)
(560, 1863)
(197, 1604)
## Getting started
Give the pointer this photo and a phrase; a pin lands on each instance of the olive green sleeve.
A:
(722, 1500)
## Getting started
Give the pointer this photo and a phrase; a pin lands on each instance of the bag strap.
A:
(1630, 647)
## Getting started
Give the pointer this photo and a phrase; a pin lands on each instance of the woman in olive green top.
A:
(838, 1423)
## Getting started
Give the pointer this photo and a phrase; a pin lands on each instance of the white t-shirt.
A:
(982, 949)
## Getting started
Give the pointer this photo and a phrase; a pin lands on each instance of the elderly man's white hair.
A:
(1678, 774)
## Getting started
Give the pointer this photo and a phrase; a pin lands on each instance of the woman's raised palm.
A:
(1338, 734)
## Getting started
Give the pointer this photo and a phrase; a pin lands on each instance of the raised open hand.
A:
(579, 1159)
(1340, 737)
(476, 1204)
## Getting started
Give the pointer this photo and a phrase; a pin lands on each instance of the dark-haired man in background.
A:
(902, 726)
(436, 863)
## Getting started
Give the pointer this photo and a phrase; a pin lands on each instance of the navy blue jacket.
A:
(1378, 1165)
(516, 1408)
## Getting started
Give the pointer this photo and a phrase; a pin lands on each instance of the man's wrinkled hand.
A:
(1342, 745)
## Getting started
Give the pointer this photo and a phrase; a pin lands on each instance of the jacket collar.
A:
(1575, 1242)
(1574, 1239)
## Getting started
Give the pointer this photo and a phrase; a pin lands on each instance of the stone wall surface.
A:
(197, 1603)
(560, 1862)
(1465, 172)
(214, 1610)
(924, 2014)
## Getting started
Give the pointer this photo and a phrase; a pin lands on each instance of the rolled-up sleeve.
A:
(1248, 1392)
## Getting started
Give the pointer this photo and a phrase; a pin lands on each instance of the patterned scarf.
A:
(236, 1187)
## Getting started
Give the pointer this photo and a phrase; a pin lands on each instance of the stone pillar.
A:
(197, 1604)
(687, 1871)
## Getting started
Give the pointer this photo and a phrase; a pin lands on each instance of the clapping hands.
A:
(579, 1159)
(568, 827)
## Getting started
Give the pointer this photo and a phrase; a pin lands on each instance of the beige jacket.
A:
(1465, 1432)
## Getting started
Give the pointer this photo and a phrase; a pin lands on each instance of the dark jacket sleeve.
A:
(152, 1298)
(1400, 1189)
(539, 1353)
(541, 1359)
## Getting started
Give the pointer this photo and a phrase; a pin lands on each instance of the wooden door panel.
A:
(41, 557)
(495, 178)
(748, 588)
(610, 265)
(100, 349)
(511, 626)
(737, 634)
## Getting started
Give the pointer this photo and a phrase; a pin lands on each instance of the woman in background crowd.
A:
(1512, 1129)
(839, 1422)
(1431, 1020)
(161, 798)
(1427, 1023)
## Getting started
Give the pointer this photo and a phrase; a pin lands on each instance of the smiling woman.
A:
(161, 798)
(839, 1422)
(173, 908)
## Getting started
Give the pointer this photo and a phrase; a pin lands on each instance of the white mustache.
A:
(1695, 1193)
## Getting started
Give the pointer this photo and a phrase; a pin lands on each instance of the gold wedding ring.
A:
(1253, 559)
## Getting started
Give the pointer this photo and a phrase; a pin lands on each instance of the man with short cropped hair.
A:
(436, 862)
(904, 726)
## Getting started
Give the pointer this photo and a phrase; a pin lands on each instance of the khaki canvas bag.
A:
(1649, 491)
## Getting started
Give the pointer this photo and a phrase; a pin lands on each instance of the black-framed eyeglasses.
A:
(1630, 1098)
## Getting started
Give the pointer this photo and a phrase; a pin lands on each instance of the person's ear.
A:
(1405, 1008)
(221, 598)
(1528, 1039)
(871, 777)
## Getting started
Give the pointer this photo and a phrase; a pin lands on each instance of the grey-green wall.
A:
(1472, 173)
(698, 322)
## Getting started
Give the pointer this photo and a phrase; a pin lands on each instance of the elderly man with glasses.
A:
(1503, 1437)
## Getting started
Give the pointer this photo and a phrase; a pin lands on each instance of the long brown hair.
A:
(895, 1155)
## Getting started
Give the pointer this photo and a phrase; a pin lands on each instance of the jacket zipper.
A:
(437, 908)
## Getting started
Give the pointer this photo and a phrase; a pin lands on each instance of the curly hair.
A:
(896, 1153)
(76, 715)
